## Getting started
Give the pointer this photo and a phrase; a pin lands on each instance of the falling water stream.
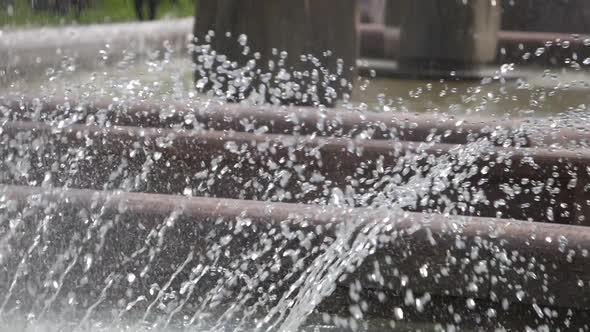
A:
(113, 264)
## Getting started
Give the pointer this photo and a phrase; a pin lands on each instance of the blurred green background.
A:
(20, 13)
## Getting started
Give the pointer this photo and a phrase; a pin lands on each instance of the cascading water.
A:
(102, 248)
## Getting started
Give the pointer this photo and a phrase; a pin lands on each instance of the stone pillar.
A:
(569, 16)
(373, 11)
(450, 34)
(281, 31)
(391, 29)
(392, 13)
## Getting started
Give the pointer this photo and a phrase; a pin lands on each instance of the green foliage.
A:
(103, 11)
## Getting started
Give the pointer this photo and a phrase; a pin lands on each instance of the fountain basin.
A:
(412, 241)
(282, 168)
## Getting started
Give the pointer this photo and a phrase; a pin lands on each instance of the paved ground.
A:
(28, 52)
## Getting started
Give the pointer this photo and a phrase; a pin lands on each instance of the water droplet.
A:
(88, 259)
(538, 310)
(243, 39)
(398, 313)
(424, 271)
(491, 313)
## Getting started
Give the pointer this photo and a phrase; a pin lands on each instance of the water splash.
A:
(80, 259)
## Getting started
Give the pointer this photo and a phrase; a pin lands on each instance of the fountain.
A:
(132, 199)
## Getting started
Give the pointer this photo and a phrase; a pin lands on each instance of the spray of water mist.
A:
(78, 259)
